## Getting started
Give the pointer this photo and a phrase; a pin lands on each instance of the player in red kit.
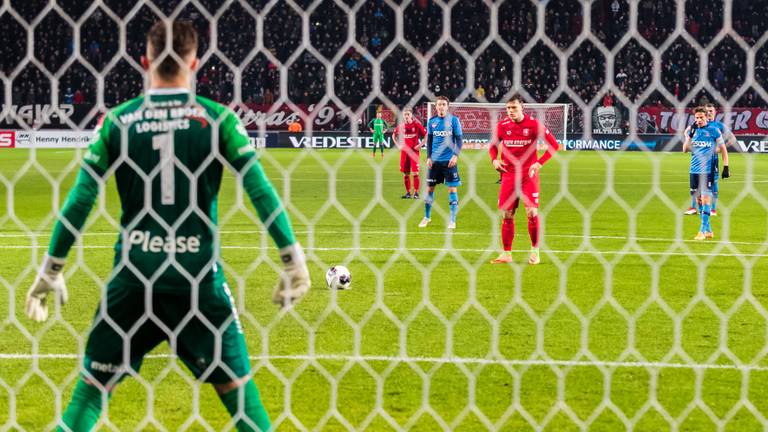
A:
(517, 136)
(412, 132)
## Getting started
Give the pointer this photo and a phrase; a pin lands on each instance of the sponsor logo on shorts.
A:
(105, 367)
(168, 244)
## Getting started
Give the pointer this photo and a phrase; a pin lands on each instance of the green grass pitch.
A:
(627, 321)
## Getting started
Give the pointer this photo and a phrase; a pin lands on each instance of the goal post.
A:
(479, 119)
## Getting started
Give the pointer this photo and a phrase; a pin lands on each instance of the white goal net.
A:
(626, 324)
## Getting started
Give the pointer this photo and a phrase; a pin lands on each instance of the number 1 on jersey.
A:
(164, 143)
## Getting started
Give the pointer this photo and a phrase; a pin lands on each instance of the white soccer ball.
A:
(338, 277)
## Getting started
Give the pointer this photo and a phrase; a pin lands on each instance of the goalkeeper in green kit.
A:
(167, 150)
(378, 127)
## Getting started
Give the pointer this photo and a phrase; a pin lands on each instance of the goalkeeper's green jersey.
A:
(378, 125)
(167, 153)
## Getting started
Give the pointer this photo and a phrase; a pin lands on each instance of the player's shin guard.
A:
(713, 207)
(416, 183)
(428, 204)
(453, 202)
(705, 226)
(84, 409)
(249, 414)
(533, 230)
(507, 233)
(407, 183)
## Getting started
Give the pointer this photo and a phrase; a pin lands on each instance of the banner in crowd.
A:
(327, 117)
(42, 139)
(325, 140)
(44, 116)
(742, 121)
(658, 142)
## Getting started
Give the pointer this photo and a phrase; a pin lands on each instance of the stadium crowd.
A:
(375, 28)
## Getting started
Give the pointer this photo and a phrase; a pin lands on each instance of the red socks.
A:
(407, 183)
(507, 233)
(533, 230)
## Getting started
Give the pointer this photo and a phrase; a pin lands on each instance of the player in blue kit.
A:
(729, 139)
(443, 148)
(703, 140)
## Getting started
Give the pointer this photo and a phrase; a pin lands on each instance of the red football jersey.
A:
(412, 132)
(518, 143)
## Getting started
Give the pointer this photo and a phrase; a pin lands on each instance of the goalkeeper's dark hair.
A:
(445, 98)
(517, 97)
(700, 109)
(184, 41)
(709, 105)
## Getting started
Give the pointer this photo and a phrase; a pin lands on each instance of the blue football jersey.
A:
(444, 131)
(703, 146)
(723, 131)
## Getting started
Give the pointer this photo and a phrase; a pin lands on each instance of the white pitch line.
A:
(341, 179)
(411, 233)
(438, 249)
(439, 360)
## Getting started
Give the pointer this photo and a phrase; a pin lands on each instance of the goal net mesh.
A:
(627, 325)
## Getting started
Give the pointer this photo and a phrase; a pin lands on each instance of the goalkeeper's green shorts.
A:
(378, 138)
(128, 330)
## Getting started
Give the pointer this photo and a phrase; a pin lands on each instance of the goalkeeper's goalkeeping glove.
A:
(726, 172)
(294, 281)
(49, 279)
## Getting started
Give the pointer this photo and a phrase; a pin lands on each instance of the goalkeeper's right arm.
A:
(294, 282)
(73, 215)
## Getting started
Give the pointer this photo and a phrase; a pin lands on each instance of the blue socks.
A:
(705, 226)
(430, 198)
(453, 201)
(714, 201)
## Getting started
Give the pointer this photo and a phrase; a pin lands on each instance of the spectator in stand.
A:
(269, 98)
(68, 96)
(423, 24)
(78, 98)
(608, 99)
(480, 92)
(294, 126)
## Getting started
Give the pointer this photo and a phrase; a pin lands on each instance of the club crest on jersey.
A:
(526, 132)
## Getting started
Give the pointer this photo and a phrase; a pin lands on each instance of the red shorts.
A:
(409, 161)
(509, 194)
